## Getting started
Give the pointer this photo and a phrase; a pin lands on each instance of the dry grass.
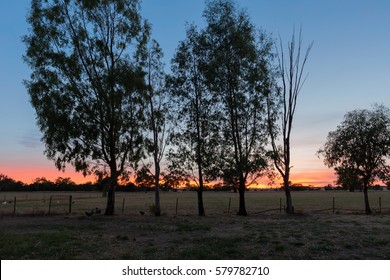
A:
(191, 237)
(219, 235)
(215, 202)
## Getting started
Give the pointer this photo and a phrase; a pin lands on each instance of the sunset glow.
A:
(348, 69)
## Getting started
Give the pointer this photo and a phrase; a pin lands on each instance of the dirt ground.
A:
(222, 236)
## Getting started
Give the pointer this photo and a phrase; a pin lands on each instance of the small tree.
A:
(291, 69)
(361, 144)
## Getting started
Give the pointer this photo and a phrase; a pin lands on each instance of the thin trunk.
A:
(200, 191)
(198, 104)
(157, 210)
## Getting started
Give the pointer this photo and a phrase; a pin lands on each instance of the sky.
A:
(348, 67)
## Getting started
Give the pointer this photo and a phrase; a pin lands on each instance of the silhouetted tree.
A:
(196, 117)
(64, 183)
(239, 74)
(361, 143)
(144, 178)
(42, 184)
(9, 184)
(291, 67)
(157, 113)
(87, 82)
(348, 178)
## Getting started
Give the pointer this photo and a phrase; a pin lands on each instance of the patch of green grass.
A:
(213, 248)
(278, 246)
(43, 245)
(191, 227)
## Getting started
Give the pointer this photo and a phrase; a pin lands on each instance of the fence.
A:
(185, 203)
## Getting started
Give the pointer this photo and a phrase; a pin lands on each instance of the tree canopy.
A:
(361, 146)
(87, 83)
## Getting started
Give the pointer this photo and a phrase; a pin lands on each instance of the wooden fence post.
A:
(177, 205)
(230, 203)
(380, 204)
(123, 205)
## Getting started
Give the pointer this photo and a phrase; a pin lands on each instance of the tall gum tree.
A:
(86, 84)
(157, 113)
(195, 136)
(239, 74)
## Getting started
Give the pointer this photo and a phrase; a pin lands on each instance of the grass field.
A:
(37, 203)
(310, 234)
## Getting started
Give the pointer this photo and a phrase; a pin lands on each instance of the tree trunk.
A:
(287, 191)
(200, 201)
(200, 188)
(241, 191)
(110, 209)
(366, 202)
(157, 209)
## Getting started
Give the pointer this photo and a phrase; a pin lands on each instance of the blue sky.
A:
(349, 68)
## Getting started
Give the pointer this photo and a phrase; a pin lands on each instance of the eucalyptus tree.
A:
(196, 115)
(157, 113)
(291, 66)
(361, 145)
(240, 75)
(87, 83)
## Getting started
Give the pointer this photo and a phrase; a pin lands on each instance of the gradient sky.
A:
(349, 68)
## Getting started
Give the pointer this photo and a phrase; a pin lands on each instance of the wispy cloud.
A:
(31, 139)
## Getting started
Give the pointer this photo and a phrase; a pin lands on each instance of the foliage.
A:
(157, 113)
(87, 82)
(144, 179)
(240, 75)
(7, 184)
(361, 146)
(348, 178)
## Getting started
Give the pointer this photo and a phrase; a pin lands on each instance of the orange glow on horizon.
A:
(316, 178)
(28, 175)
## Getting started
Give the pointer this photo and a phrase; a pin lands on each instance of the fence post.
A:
(380, 204)
(70, 204)
(177, 205)
(123, 205)
(333, 205)
(230, 203)
(14, 205)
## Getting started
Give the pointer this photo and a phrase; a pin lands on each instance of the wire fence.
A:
(185, 203)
